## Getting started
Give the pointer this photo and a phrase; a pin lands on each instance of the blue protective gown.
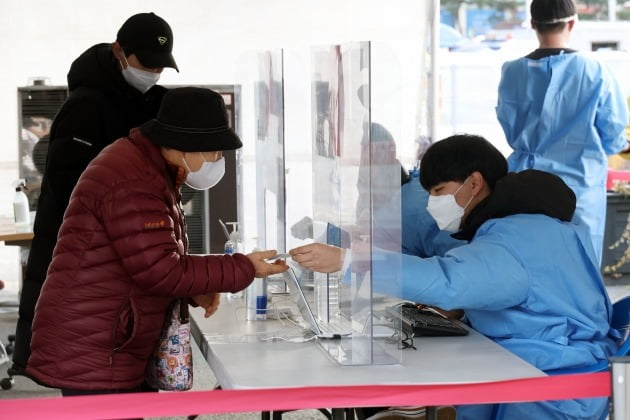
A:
(564, 114)
(530, 283)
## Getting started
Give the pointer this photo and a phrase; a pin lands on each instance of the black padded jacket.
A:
(101, 107)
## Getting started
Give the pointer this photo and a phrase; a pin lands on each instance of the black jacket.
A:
(530, 191)
(101, 107)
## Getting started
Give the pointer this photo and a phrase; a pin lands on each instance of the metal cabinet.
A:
(617, 213)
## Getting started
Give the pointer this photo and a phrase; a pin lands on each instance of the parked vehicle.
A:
(451, 39)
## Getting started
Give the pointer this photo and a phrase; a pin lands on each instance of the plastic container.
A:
(232, 244)
(21, 212)
(229, 248)
(256, 299)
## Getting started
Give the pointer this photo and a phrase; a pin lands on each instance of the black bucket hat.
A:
(150, 38)
(192, 119)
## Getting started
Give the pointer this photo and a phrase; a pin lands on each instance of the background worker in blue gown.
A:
(563, 112)
(528, 278)
(419, 234)
(383, 194)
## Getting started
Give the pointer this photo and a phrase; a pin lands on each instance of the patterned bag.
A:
(170, 368)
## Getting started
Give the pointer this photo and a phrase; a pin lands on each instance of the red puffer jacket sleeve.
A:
(143, 226)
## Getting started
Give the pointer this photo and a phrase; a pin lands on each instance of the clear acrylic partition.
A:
(269, 111)
(270, 171)
(262, 182)
(334, 180)
(356, 176)
(261, 201)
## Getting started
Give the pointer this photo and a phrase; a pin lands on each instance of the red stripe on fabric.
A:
(585, 385)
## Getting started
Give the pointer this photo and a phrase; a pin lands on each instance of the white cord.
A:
(290, 339)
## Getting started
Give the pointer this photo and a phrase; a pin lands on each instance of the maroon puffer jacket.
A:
(119, 261)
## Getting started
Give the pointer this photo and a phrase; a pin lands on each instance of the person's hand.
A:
(262, 267)
(210, 302)
(319, 257)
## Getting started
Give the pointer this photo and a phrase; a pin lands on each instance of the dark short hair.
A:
(456, 157)
(543, 12)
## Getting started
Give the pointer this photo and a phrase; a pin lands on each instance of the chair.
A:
(5, 352)
(621, 321)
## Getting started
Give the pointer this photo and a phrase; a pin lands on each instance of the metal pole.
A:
(620, 376)
(612, 10)
(434, 22)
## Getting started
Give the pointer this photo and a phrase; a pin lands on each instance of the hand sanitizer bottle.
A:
(21, 211)
(234, 239)
(231, 246)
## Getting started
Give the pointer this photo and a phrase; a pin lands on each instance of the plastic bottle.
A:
(21, 211)
(231, 246)
(256, 298)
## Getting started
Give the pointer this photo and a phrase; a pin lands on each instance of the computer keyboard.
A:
(423, 323)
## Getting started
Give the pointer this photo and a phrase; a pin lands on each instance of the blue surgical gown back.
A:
(564, 114)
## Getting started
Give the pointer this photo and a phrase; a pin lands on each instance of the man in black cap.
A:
(112, 88)
(121, 257)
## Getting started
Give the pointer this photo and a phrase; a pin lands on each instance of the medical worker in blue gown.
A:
(419, 234)
(527, 278)
(563, 112)
(382, 194)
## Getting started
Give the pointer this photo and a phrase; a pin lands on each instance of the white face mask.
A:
(207, 176)
(140, 79)
(445, 210)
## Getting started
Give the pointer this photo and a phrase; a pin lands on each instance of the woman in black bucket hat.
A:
(121, 257)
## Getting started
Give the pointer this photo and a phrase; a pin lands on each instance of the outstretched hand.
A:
(262, 267)
(319, 257)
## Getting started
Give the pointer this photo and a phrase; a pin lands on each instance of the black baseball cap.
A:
(150, 38)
